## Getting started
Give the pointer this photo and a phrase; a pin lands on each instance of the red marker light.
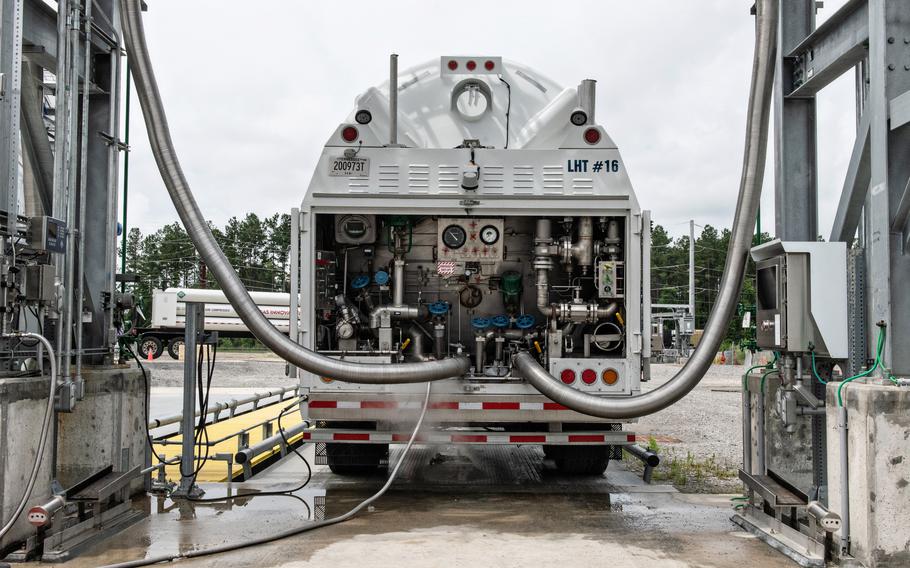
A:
(489, 65)
(453, 65)
(589, 376)
(349, 134)
(592, 136)
(471, 65)
(567, 376)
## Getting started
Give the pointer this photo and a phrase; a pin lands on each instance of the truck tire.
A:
(579, 460)
(149, 344)
(356, 459)
(173, 347)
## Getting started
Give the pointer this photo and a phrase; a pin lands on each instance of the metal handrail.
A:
(231, 405)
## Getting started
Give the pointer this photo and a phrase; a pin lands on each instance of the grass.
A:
(686, 470)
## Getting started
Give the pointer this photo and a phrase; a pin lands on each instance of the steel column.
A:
(796, 180)
(195, 324)
(10, 92)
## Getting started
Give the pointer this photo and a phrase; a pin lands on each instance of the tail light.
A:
(489, 65)
(589, 376)
(567, 376)
(453, 65)
(592, 136)
(471, 65)
(349, 134)
(610, 376)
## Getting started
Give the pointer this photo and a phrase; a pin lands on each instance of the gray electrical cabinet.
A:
(801, 297)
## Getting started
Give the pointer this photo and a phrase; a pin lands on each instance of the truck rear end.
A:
(496, 218)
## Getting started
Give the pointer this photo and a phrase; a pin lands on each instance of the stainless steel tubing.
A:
(45, 429)
(197, 228)
(737, 257)
(393, 99)
(844, 480)
(747, 427)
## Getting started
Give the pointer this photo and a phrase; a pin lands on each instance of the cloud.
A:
(252, 93)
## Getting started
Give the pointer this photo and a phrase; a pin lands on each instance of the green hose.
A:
(878, 364)
(815, 371)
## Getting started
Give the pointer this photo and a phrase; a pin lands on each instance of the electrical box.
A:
(39, 283)
(801, 297)
(47, 234)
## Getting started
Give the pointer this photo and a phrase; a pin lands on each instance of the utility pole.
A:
(692, 267)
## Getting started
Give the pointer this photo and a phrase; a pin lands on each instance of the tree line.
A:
(258, 248)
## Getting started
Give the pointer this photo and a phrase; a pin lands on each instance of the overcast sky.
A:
(253, 90)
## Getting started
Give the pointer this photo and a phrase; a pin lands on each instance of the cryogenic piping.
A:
(201, 235)
(737, 257)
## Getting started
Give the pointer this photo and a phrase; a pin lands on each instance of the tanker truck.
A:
(470, 205)
(168, 321)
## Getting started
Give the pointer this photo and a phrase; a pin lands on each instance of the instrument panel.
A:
(470, 239)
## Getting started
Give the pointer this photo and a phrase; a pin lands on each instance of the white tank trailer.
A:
(481, 210)
(168, 321)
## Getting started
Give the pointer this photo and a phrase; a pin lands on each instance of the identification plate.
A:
(349, 167)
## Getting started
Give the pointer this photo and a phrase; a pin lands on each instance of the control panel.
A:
(609, 279)
(470, 239)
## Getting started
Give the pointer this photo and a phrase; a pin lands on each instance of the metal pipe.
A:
(418, 351)
(222, 406)
(249, 454)
(398, 282)
(737, 257)
(83, 187)
(393, 99)
(188, 421)
(45, 429)
(200, 233)
(747, 427)
(586, 96)
(760, 434)
(844, 480)
(649, 458)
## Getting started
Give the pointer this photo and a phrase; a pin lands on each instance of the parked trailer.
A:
(169, 317)
(476, 208)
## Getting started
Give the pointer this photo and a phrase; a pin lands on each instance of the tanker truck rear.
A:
(473, 207)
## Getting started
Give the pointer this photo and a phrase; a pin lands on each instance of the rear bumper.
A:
(444, 408)
(344, 436)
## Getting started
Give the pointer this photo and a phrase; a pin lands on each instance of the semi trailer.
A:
(168, 323)
(471, 206)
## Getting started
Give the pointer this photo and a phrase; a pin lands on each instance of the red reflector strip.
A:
(324, 404)
(553, 406)
(630, 438)
(351, 437)
(444, 405)
(527, 439)
(467, 438)
(501, 406)
(306, 436)
(586, 438)
(378, 404)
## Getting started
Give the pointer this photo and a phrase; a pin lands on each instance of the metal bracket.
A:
(113, 141)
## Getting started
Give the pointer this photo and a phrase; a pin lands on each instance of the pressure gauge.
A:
(489, 235)
(454, 237)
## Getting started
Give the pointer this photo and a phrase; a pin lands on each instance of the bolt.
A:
(906, 67)
(891, 67)
(890, 40)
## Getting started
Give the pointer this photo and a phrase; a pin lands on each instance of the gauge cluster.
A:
(470, 239)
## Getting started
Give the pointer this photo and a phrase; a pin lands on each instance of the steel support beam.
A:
(834, 48)
(10, 92)
(856, 187)
(796, 180)
(37, 154)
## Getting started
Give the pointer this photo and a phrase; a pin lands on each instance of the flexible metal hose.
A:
(734, 271)
(198, 230)
(45, 429)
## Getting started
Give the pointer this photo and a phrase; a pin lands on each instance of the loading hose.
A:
(734, 271)
(199, 232)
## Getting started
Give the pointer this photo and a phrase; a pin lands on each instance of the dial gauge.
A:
(454, 237)
(489, 235)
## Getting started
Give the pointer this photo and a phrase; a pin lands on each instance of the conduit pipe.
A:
(734, 271)
(198, 230)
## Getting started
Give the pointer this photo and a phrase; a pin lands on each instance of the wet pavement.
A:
(452, 506)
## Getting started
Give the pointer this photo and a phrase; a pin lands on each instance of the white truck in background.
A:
(169, 317)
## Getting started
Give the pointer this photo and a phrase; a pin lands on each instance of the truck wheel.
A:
(150, 344)
(173, 348)
(356, 459)
(579, 460)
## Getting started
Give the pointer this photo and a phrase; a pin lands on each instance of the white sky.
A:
(253, 90)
